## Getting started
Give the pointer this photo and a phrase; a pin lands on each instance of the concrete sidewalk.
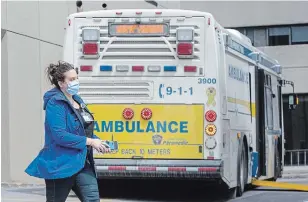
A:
(295, 172)
(30, 194)
(34, 194)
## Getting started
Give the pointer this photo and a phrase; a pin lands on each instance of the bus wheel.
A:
(242, 176)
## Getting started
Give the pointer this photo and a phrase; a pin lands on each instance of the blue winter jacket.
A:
(65, 149)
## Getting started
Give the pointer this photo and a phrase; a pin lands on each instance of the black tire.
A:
(242, 173)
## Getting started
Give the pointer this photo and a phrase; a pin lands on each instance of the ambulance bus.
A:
(181, 96)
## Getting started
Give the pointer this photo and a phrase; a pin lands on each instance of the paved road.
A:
(135, 191)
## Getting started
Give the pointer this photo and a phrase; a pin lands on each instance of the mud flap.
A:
(241, 142)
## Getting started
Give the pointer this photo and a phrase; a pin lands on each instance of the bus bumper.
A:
(178, 169)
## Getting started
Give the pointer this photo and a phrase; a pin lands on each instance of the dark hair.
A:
(55, 72)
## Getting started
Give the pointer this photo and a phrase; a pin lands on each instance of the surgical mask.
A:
(73, 87)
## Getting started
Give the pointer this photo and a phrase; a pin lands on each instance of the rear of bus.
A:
(148, 78)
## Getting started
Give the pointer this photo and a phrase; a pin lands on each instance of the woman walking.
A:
(66, 161)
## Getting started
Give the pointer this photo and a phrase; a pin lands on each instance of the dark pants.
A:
(84, 184)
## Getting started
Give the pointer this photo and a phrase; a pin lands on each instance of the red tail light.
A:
(210, 116)
(190, 69)
(128, 113)
(86, 68)
(185, 48)
(146, 113)
(90, 48)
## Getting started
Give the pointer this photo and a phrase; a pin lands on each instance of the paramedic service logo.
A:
(157, 139)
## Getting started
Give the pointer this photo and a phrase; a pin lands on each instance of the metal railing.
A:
(296, 157)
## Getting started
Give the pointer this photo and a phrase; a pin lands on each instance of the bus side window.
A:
(268, 103)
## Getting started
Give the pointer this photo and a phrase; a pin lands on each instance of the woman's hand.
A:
(98, 145)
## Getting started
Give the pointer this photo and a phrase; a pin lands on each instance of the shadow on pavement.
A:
(149, 190)
(162, 190)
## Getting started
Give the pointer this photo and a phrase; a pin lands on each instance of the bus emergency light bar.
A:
(126, 68)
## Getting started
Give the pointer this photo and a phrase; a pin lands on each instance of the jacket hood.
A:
(57, 94)
(52, 93)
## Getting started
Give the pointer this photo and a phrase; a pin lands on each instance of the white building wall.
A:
(295, 65)
(5, 114)
(25, 120)
(252, 13)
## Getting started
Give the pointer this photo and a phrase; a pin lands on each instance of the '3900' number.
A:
(206, 81)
